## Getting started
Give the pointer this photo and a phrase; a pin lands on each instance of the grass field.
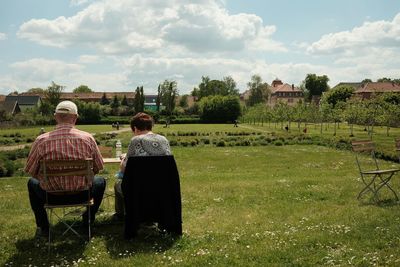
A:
(242, 206)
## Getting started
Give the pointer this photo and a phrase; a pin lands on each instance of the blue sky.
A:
(116, 45)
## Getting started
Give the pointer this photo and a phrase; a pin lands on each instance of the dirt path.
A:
(21, 146)
(255, 129)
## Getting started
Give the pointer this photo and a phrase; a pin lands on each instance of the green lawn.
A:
(242, 206)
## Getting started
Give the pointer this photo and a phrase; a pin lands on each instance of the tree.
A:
(53, 94)
(339, 94)
(124, 101)
(209, 87)
(82, 89)
(384, 79)
(258, 91)
(158, 99)
(88, 112)
(230, 86)
(219, 108)
(316, 85)
(138, 101)
(104, 100)
(142, 98)
(366, 81)
(115, 102)
(169, 91)
(38, 91)
(183, 101)
(353, 113)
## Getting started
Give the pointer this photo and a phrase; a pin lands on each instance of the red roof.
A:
(378, 87)
(285, 88)
(93, 95)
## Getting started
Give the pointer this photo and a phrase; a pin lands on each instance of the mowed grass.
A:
(242, 206)
(383, 141)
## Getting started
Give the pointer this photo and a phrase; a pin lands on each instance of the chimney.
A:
(292, 86)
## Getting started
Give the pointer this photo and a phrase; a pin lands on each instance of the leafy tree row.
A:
(383, 110)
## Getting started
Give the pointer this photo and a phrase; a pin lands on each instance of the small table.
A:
(111, 160)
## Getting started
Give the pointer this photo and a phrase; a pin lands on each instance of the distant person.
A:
(287, 128)
(42, 131)
(117, 125)
(144, 143)
(65, 142)
(235, 123)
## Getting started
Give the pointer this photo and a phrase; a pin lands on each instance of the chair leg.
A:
(385, 182)
(89, 223)
(49, 218)
(368, 186)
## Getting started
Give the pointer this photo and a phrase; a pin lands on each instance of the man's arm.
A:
(32, 163)
(98, 162)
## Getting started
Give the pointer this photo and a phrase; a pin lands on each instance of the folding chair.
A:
(151, 190)
(50, 170)
(373, 178)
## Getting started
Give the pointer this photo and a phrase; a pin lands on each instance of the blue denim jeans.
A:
(37, 198)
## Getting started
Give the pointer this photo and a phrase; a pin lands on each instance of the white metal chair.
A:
(65, 199)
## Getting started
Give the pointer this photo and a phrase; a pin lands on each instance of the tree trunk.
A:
(387, 130)
(334, 128)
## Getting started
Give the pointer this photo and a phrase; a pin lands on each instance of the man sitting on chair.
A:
(64, 143)
(144, 143)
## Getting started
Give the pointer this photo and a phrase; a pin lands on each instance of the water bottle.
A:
(118, 149)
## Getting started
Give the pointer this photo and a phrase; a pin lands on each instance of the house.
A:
(10, 107)
(348, 84)
(90, 97)
(283, 92)
(365, 91)
(96, 96)
(150, 103)
(25, 101)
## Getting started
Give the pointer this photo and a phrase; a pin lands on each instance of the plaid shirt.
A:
(65, 142)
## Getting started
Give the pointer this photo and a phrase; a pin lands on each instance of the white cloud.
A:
(129, 26)
(40, 69)
(371, 34)
(78, 2)
(3, 36)
(89, 59)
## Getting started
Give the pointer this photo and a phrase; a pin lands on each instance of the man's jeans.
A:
(37, 198)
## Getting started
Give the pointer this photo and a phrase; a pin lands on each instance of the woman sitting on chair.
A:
(144, 143)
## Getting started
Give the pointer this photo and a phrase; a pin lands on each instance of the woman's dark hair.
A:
(142, 122)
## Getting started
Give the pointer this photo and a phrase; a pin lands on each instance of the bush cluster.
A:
(9, 163)
(15, 138)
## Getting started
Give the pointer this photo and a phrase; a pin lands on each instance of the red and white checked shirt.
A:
(65, 142)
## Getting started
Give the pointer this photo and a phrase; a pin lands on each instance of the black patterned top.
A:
(149, 144)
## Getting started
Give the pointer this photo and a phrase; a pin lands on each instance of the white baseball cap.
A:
(67, 107)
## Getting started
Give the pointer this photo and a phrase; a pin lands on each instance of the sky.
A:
(117, 45)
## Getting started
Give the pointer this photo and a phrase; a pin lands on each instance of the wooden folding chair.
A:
(55, 199)
(373, 178)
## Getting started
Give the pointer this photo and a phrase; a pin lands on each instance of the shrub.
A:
(220, 143)
(184, 143)
(173, 143)
(278, 143)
